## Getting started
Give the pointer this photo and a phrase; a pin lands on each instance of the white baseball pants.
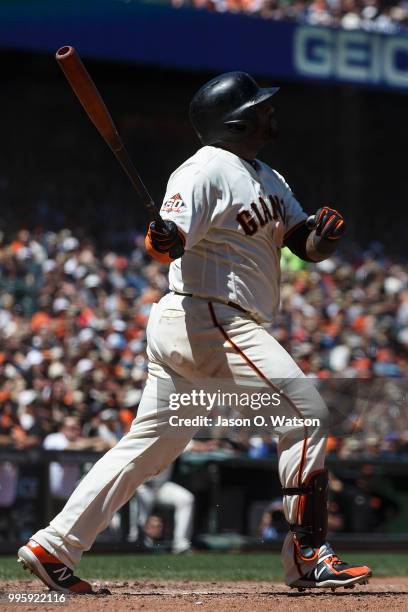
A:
(208, 344)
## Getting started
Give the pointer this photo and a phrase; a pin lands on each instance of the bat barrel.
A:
(92, 102)
(88, 95)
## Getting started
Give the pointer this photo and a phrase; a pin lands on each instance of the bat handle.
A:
(311, 222)
(140, 188)
(154, 213)
(159, 222)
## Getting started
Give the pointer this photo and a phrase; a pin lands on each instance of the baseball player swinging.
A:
(227, 215)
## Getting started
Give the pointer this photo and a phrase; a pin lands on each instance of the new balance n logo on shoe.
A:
(64, 573)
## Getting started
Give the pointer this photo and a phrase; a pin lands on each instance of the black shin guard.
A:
(311, 529)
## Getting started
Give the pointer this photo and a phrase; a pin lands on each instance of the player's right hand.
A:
(166, 238)
(329, 223)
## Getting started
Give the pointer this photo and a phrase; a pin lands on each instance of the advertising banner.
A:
(200, 40)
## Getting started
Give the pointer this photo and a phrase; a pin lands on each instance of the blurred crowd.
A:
(72, 329)
(369, 15)
(73, 366)
(72, 341)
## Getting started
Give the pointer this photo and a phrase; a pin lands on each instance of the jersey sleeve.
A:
(295, 216)
(188, 202)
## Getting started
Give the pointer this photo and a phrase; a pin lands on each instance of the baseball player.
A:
(226, 217)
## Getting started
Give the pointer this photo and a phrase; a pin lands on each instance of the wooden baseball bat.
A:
(91, 100)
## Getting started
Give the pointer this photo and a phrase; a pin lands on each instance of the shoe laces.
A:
(334, 560)
(330, 555)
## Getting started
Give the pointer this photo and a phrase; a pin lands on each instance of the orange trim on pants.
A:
(291, 403)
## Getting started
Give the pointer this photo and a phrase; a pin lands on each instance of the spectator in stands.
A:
(349, 14)
(64, 476)
(150, 537)
(161, 490)
(273, 524)
(109, 430)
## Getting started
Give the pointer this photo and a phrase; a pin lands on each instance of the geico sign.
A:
(352, 56)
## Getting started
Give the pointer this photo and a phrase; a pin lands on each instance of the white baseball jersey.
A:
(234, 218)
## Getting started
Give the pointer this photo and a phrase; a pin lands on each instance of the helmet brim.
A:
(264, 94)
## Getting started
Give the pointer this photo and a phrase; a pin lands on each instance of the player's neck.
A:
(243, 151)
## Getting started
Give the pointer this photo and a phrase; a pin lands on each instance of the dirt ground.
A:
(380, 593)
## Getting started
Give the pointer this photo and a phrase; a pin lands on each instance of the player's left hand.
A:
(329, 223)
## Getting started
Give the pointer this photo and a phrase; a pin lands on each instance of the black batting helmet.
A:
(222, 110)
